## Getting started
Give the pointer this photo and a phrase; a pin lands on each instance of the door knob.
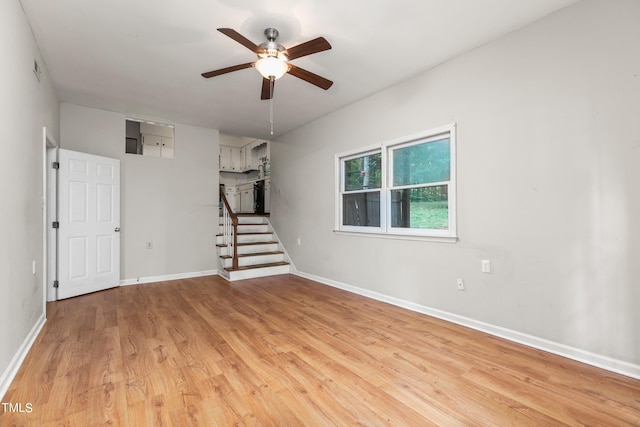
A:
(117, 229)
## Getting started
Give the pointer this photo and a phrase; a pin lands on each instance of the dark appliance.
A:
(258, 197)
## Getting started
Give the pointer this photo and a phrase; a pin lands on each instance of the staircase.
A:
(259, 252)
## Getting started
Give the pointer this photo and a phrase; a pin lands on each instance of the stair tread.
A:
(270, 242)
(261, 253)
(250, 224)
(249, 267)
(249, 233)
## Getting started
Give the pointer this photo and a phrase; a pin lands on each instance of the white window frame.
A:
(340, 179)
(386, 149)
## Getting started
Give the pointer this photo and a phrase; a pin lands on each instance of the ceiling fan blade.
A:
(227, 70)
(267, 88)
(310, 77)
(312, 46)
(239, 38)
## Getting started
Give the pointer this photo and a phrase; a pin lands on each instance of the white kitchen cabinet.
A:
(151, 145)
(167, 148)
(251, 160)
(225, 158)
(157, 140)
(231, 195)
(157, 146)
(230, 159)
(243, 159)
(245, 195)
(246, 158)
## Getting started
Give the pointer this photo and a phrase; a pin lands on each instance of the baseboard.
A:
(9, 374)
(593, 359)
(151, 279)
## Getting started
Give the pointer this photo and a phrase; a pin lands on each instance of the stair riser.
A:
(257, 272)
(253, 228)
(251, 249)
(252, 238)
(254, 260)
(249, 220)
(248, 238)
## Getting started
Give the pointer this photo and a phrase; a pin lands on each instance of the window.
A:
(401, 187)
(361, 195)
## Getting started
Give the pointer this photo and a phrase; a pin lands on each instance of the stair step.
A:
(250, 267)
(252, 254)
(250, 218)
(248, 238)
(248, 233)
(261, 253)
(267, 242)
(251, 259)
(249, 248)
(251, 228)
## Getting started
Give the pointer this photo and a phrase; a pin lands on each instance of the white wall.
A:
(26, 105)
(548, 177)
(172, 203)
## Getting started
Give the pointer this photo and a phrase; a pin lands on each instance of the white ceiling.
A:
(144, 57)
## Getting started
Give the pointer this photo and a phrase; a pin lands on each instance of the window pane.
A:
(426, 208)
(361, 209)
(363, 172)
(422, 163)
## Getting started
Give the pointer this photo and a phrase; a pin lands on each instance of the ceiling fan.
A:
(273, 60)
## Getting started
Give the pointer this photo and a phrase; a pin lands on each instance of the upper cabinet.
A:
(246, 158)
(230, 159)
(157, 140)
(149, 138)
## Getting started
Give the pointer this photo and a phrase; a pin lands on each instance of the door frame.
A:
(49, 214)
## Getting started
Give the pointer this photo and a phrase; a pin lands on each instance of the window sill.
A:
(437, 239)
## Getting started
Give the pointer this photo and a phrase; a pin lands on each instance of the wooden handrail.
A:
(234, 222)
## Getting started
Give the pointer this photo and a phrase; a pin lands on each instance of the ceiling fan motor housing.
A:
(271, 48)
(271, 34)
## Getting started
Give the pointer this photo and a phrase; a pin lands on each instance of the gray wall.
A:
(26, 105)
(172, 203)
(548, 180)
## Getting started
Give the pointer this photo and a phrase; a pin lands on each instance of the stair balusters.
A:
(229, 229)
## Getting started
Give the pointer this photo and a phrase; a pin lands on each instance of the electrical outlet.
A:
(486, 266)
(460, 285)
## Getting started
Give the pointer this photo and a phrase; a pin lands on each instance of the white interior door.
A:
(89, 217)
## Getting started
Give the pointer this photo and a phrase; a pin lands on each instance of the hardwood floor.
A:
(286, 351)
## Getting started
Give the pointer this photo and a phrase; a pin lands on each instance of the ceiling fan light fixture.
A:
(271, 67)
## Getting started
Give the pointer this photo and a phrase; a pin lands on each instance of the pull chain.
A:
(271, 84)
(271, 114)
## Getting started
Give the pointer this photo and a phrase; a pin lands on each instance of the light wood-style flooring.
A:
(286, 351)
